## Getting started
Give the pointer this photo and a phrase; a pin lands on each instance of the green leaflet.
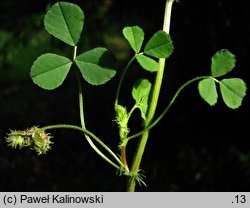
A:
(97, 65)
(147, 63)
(140, 93)
(233, 91)
(223, 61)
(134, 36)
(207, 90)
(49, 70)
(65, 22)
(160, 45)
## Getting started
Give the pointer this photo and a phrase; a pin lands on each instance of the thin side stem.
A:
(83, 123)
(121, 80)
(74, 53)
(156, 121)
(153, 103)
(86, 132)
(80, 93)
(124, 158)
(80, 97)
(81, 111)
(123, 149)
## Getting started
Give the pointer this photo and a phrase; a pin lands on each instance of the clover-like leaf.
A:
(97, 65)
(140, 92)
(233, 91)
(49, 70)
(147, 63)
(207, 90)
(65, 21)
(223, 61)
(134, 36)
(160, 45)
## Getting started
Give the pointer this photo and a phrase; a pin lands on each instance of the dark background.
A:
(195, 148)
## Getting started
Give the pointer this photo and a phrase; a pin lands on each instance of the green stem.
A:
(153, 104)
(84, 126)
(156, 121)
(123, 149)
(83, 129)
(124, 158)
(74, 53)
(80, 96)
(131, 111)
(121, 80)
(86, 132)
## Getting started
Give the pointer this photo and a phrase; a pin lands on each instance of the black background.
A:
(195, 148)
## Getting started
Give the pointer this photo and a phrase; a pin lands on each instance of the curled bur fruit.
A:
(15, 139)
(41, 142)
(37, 139)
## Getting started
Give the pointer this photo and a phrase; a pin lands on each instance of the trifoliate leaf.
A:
(65, 22)
(233, 91)
(97, 65)
(223, 62)
(207, 90)
(134, 36)
(160, 45)
(49, 70)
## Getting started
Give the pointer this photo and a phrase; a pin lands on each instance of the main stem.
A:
(153, 104)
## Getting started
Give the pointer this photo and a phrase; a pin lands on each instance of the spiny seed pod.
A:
(41, 142)
(37, 139)
(15, 139)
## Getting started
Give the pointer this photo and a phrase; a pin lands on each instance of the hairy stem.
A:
(153, 104)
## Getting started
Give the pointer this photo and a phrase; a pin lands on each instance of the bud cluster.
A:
(122, 121)
(35, 138)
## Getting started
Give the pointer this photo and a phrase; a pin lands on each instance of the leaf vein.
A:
(52, 69)
(66, 23)
(233, 91)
